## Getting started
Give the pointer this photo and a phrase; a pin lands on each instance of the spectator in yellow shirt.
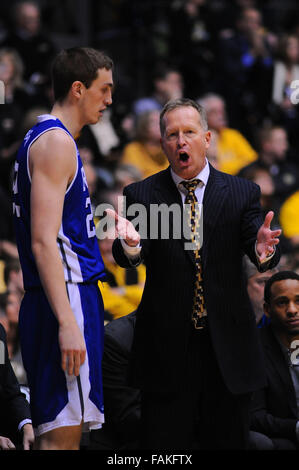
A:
(289, 219)
(233, 150)
(145, 152)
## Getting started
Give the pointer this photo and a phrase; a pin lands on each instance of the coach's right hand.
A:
(124, 228)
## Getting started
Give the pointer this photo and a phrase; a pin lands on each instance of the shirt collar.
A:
(202, 176)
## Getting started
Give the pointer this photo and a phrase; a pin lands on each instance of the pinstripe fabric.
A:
(231, 219)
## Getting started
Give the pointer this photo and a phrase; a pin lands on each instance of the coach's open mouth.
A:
(183, 156)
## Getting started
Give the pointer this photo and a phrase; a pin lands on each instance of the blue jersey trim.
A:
(76, 241)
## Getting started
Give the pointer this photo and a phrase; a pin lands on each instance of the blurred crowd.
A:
(239, 59)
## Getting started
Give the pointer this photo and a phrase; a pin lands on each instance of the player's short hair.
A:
(280, 276)
(77, 63)
(181, 103)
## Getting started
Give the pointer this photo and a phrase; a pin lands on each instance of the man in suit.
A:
(275, 407)
(195, 355)
(15, 418)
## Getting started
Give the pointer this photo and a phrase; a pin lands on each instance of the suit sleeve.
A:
(13, 402)
(266, 423)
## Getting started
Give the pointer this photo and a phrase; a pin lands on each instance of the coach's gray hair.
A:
(180, 103)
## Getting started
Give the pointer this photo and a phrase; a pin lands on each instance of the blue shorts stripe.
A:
(94, 338)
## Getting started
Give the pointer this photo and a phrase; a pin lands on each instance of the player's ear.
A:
(77, 89)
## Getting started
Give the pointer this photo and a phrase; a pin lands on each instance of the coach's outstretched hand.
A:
(267, 238)
(124, 228)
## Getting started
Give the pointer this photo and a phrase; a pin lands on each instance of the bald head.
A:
(214, 106)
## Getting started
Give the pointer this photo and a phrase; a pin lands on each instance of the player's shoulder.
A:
(53, 149)
(53, 154)
(54, 138)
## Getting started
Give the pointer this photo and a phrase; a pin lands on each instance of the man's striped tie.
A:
(199, 314)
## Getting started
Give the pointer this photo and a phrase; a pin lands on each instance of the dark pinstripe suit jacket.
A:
(231, 219)
(14, 407)
(274, 408)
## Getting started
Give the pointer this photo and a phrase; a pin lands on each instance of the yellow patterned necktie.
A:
(199, 314)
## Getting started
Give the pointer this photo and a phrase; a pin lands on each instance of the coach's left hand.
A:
(267, 238)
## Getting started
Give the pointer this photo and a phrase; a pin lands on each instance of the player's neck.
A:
(68, 115)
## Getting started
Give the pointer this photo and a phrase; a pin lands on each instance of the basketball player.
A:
(61, 317)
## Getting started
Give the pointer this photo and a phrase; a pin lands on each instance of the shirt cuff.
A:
(22, 423)
(131, 251)
(266, 259)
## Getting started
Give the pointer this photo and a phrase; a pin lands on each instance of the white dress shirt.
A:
(203, 176)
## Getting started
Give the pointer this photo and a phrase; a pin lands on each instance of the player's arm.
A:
(52, 167)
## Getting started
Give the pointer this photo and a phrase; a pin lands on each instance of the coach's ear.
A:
(208, 138)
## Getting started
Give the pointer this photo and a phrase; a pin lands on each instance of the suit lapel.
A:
(166, 190)
(214, 197)
(167, 193)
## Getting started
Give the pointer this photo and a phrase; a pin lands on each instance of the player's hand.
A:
(6, 444)
(72, 347)
(28, 436)
(267, 238)
(124, 228)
